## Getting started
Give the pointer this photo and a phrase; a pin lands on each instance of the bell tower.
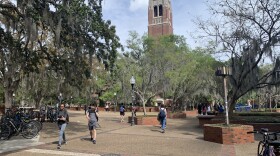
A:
(160, 18)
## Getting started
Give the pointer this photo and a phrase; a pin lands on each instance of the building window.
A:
(160, 10)
(155, 11)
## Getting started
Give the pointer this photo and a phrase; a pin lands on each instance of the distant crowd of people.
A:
(208, 109)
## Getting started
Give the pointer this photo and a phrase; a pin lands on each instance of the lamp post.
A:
(13, 100)
(60, 98)
(115, 94)
(277, 72)
(132, 82)
(224, 72)
(71, 101)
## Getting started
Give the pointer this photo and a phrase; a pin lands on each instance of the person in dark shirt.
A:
(122, 112)
(85, 109)
(92, 116)
(62, 121)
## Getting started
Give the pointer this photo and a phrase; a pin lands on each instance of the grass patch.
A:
(257, 119)
(224, 125)
(258, 114)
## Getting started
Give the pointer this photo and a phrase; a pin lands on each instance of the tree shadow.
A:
(51, 130)
(189, 125)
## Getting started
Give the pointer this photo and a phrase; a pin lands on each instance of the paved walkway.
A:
(183, 137)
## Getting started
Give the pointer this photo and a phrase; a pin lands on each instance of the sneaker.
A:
(91, 139)
(58, 146)
(65, 142)
(163, 131)
(94, 141)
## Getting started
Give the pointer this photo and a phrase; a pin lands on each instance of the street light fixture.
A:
(13, 100)
(115, 94)
(71, 101)
(60, 98)
(132, 82)
(224, 72)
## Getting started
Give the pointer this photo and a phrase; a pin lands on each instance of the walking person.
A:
(85, 109)
(107, 107)
(62, 121)
(92, 116)
(162, 117)
(122, 110)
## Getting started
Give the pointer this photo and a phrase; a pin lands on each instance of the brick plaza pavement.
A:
(183, 137)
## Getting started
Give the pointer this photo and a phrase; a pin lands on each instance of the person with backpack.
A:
(92, 116)
(162, 117)
(62, 121)
(122, 110)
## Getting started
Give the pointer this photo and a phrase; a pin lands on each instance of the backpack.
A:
(121, 109)
(162, 114)
(91, 111)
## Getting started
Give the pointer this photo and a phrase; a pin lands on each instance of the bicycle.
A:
(27, 130)
(269, 145)
(4, 131)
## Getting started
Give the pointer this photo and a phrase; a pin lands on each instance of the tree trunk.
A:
(232, 103)
(8, 98)
(144, 107)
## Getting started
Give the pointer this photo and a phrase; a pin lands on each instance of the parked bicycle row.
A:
(18, 122)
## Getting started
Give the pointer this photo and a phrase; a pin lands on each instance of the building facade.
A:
(160, 18)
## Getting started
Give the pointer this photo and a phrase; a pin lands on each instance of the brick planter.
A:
(147, 120)
(192, 113)
(75, 108)
(234, 134)
(178, 115)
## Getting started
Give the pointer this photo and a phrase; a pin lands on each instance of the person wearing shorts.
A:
(92, 116)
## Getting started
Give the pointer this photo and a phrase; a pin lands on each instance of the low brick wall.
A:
(236, 134)
(274, 127)
(75, 108)
(179, 115)
(220, 119)
(148, 109)
(144, 120)
(139, 109)
(192, 113)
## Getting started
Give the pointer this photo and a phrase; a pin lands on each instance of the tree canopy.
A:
(248, 31)
(63, 36)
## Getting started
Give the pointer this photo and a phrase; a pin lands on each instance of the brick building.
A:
(160, 18)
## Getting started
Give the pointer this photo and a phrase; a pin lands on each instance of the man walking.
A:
(92, 116)
(62, 121)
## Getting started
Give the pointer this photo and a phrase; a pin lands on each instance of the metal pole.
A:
(270, 103)
(226, 102)
(71, 101)
(132, 82)
(115, 94)
(132, 113)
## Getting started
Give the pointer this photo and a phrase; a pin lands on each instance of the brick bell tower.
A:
(160, 18)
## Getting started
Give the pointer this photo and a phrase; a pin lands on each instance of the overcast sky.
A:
(128, 15)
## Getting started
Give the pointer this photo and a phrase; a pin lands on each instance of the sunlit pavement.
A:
(183, 137)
